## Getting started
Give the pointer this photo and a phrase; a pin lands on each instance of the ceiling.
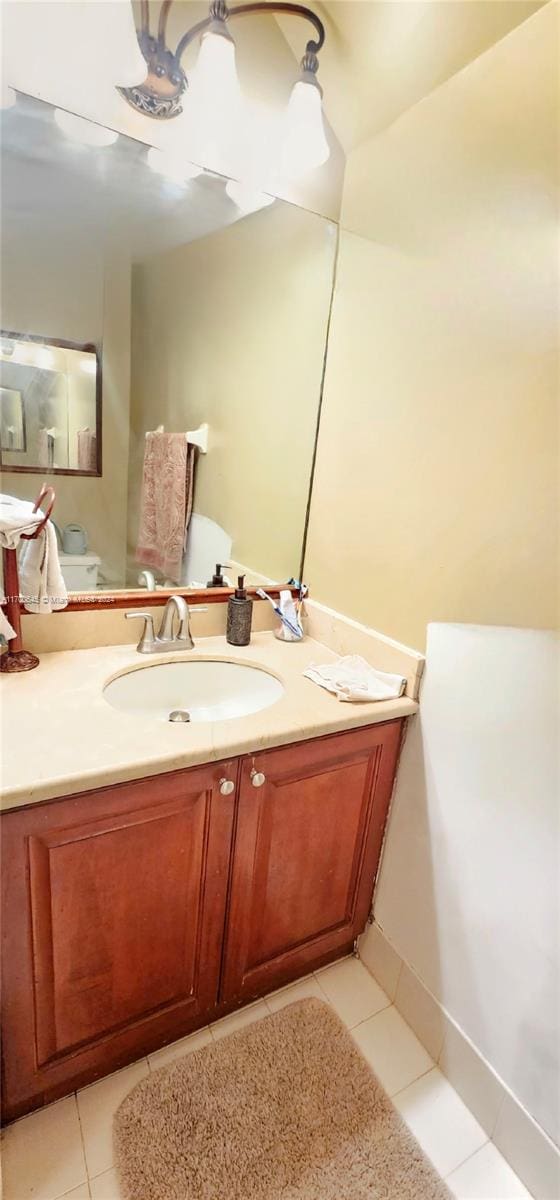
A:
(381, 57)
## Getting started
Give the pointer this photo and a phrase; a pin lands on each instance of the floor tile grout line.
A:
(422, 1075)
(498, 1115)
(82, 1141)
(390, 1003)
(63, 1195)
(488, 1142)
(364, 1020)
(321, 988)
(393, 1095)
(111, 1167)
(399, 973)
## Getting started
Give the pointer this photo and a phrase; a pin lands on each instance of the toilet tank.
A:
(79, 571)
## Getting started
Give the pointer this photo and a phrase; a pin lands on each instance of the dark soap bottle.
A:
(217, 579)
(239, 616)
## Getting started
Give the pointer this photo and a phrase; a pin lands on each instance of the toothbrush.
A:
(293, 629)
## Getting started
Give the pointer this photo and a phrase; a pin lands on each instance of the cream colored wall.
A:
(435, 491)
(231, 330)
(381, 57)
(52, 286)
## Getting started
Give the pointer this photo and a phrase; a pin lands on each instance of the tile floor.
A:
(65, 1149)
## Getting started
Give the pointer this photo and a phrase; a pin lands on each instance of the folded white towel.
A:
(352, 678)
(42, 587)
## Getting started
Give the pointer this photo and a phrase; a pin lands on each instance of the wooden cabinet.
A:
(133, 914)
(112, 924)
(306, 851)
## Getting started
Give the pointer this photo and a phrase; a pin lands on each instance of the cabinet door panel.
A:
(306, 852)
(104, 921)
(124, 893)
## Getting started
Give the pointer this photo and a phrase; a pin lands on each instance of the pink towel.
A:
(87, 450)
(166, 504)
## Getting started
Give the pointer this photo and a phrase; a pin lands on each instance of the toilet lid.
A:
(75, 560)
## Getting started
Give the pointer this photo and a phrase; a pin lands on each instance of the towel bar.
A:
(195, 437)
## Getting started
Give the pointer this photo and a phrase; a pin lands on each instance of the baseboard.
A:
(527, 1148)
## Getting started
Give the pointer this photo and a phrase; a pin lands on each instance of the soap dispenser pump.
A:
(239, 615)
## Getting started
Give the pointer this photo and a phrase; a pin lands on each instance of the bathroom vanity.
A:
(166, 860)
(137, 911)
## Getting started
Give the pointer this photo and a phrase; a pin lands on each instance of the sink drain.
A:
(179, 714)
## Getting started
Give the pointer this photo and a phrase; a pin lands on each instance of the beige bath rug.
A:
(285, 1109)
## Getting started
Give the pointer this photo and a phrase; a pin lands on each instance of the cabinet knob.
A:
(226, 786)
(257, 778)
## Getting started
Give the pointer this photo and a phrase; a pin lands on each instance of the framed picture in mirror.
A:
(50, 405)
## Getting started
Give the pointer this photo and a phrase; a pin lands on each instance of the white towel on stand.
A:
(351, 678)
(42, 587)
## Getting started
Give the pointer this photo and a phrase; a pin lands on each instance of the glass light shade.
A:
(213, 100)
(305, 145)
(247, 198)
(82, 130)
(30, 354)
(44, 358)
(170, 165)
(215, 73)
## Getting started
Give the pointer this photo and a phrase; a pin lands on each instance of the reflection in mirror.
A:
(210, 306)
(12, 421)
(50, 395)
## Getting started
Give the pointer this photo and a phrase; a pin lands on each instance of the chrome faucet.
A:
(166, 638)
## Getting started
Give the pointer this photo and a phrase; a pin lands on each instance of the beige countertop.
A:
(59, 735)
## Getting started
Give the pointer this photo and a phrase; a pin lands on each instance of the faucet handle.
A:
(184, 633)
(147, 639)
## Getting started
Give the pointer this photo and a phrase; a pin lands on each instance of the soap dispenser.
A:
(239, 615)
(217, 579)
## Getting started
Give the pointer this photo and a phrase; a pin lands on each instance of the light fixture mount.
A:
(160, 95)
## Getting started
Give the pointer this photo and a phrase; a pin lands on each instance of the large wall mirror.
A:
(205, 309)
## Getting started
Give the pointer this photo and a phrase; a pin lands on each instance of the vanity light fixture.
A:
(43, 357)
(81, 130)
(246, 198)
(172, 167)
(212, 89)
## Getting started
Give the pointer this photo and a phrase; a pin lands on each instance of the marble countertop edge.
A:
(82, 743)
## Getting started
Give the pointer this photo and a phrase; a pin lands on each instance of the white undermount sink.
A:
(195, 690)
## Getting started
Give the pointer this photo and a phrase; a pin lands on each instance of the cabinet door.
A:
(306, 852)
(113, 917)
